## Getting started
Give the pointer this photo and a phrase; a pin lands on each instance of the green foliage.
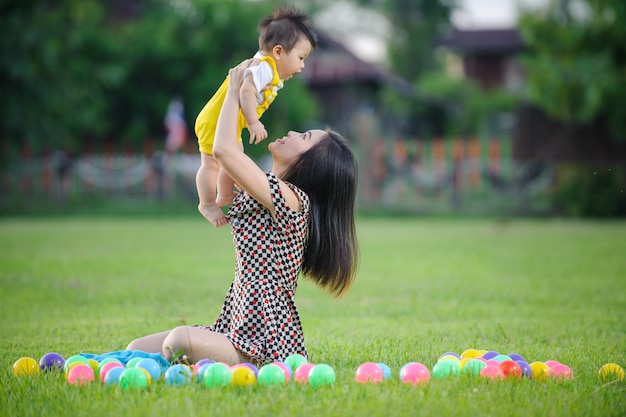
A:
(468, 106)
(587, 191)
(86, 70)
(576, 60)
(546, 290)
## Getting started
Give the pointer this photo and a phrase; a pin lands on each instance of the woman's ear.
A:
(277, 51)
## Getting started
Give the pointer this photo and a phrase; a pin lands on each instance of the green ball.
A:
(133, 362)
(133, 378)
(271, 374)
(218, 375)
(446, 368)
(295, 360)
(473, 367)
(321, 374)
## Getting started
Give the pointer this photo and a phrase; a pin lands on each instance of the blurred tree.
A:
(576, 61)
(76, 70)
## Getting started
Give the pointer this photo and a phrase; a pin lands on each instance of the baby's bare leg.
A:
(206, 183)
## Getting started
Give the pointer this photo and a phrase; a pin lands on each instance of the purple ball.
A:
(516, 357)
(204, 362)
(51, 361)
(491, 354)
(526, 370)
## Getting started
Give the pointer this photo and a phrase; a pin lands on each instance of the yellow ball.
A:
(94, 364)
(611, 372)
(243, 376)
(26, 366)
(539, 370)
(471, 353)
(450, 358)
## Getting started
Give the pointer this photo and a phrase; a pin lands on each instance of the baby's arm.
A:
(247, 99)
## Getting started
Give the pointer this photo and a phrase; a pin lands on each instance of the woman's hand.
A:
(236, 74)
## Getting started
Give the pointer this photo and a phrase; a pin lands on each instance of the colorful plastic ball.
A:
(510, 369)
(491, 372)
(26, 366)
(201, 373)
(445, 354)
(526, 371)
(80, 374)
(217, 375)
(470, 353)
(539, 370)
(75, 359)
(108, 360)
(51, 361)
(104, 370)
(295, 360)
(133, 362)
(473, 367)
(112, 376)
(369, 372)
(611, 372)
(243, 376)
(321, 374)
(203, 362)
(492, 362)
(386, 370)
(450, 358)
(134, 378)
(271, 374)
(178, 375)
(152, 366)
(286, 370)
(560, 371)
(414, 373)
(490, 354)
(301, 375)
(253, 368)
(516, 357)
(501, 358)
(551, 363)
(445, 369)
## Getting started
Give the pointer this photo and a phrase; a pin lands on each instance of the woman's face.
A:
(287, 149)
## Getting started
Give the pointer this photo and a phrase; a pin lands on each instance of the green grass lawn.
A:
(543, 289)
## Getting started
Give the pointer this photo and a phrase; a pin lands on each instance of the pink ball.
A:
(491, 372)
(369, 372)
(560, 371)
(414, 373)
(301, 374)
(107, 367)
(80, 375)
(551, 363)
(491, 362)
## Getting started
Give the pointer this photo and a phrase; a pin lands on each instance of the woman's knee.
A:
(177, 341)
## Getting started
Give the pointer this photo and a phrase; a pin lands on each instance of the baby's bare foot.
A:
(213, 213)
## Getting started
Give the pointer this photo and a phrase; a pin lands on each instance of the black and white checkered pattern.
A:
(259, 314)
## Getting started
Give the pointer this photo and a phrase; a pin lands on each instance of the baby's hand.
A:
(257, 132)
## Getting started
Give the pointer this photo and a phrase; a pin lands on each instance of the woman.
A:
(299, 217)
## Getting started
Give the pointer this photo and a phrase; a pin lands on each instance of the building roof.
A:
(485, 41)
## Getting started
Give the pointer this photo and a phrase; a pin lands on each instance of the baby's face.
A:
(290, 63)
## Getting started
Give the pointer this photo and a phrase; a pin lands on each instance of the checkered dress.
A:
(259, 315)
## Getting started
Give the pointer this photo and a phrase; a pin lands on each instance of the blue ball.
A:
(152, 366)
(178, 375)
(386, 370)
(113, 376)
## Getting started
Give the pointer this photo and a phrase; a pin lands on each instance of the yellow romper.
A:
(206, 122)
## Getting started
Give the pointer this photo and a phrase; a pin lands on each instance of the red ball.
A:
(510, 369)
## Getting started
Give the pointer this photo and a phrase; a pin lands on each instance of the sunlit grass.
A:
(543, 289)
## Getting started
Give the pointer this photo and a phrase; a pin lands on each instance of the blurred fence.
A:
(474, 175)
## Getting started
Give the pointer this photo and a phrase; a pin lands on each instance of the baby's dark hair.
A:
(285, 26)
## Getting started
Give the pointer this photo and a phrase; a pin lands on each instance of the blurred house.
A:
(490, 57)
(344, 84)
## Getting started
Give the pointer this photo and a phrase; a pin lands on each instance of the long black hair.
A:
(328, 173)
